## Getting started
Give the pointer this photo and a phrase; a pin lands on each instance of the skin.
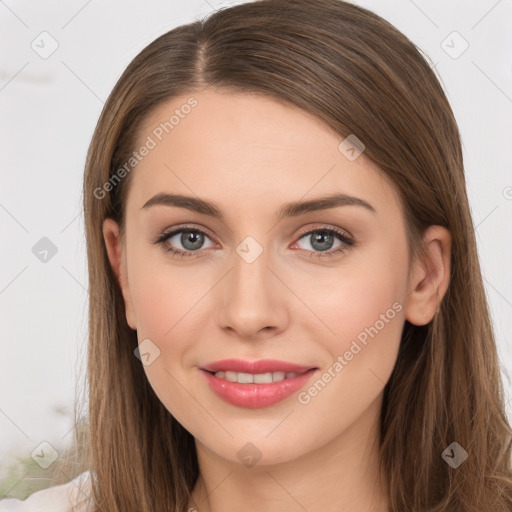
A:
(251, 155)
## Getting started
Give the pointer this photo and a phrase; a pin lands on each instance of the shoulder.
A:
(59, 498)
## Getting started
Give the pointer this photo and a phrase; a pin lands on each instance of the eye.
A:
(190, 239)
(322, 240)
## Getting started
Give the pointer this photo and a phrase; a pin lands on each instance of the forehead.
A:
(245, 150)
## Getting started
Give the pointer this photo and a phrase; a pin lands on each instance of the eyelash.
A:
(348, 242)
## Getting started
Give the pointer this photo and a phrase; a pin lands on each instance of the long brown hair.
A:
(357, 73)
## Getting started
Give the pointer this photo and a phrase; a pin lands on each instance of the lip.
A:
(256, 396)
(261, 366)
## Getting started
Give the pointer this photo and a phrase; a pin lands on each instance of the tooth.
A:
(245, 378)
(231, 376)
(258, 378)
(277, 376)
(263, 378)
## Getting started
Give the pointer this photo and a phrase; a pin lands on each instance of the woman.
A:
(286, 304)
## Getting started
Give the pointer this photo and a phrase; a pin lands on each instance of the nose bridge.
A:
(250, 300)
(249, 279)
(250, 266)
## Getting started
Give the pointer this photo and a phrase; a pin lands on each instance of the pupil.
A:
(191, 240)
(327, 240)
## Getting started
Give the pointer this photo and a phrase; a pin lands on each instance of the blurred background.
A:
(59, 62)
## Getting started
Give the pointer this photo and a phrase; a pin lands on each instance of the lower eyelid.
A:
(342, 237)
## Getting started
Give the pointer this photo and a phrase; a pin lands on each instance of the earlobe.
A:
(116, 256)
(430, 277)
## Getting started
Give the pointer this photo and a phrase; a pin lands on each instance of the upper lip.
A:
(261, 366)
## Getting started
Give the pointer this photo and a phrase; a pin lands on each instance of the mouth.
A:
(260, 368)
(256, 378)
(256, 384)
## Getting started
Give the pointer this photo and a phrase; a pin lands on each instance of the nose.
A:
(252, 299)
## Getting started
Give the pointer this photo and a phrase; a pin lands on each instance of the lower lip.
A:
(255, 396)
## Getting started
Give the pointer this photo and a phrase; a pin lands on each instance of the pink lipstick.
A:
(256, 384)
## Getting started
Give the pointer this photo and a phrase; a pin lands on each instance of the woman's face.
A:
(258, 284)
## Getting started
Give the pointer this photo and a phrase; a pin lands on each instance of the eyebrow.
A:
(291, 209)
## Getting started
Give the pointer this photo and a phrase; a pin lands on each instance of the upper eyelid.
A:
(167, 234)
(326, 228)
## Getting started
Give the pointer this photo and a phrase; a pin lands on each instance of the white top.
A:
(58, 498)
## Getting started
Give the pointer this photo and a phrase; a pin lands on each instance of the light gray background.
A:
(50, 108)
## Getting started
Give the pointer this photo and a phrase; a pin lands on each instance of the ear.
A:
(117, 257)
(430, 277)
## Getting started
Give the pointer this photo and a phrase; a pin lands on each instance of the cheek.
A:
(165, 300)
(169, 303)
(361, 306)
(362, 354)
(363, 287)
